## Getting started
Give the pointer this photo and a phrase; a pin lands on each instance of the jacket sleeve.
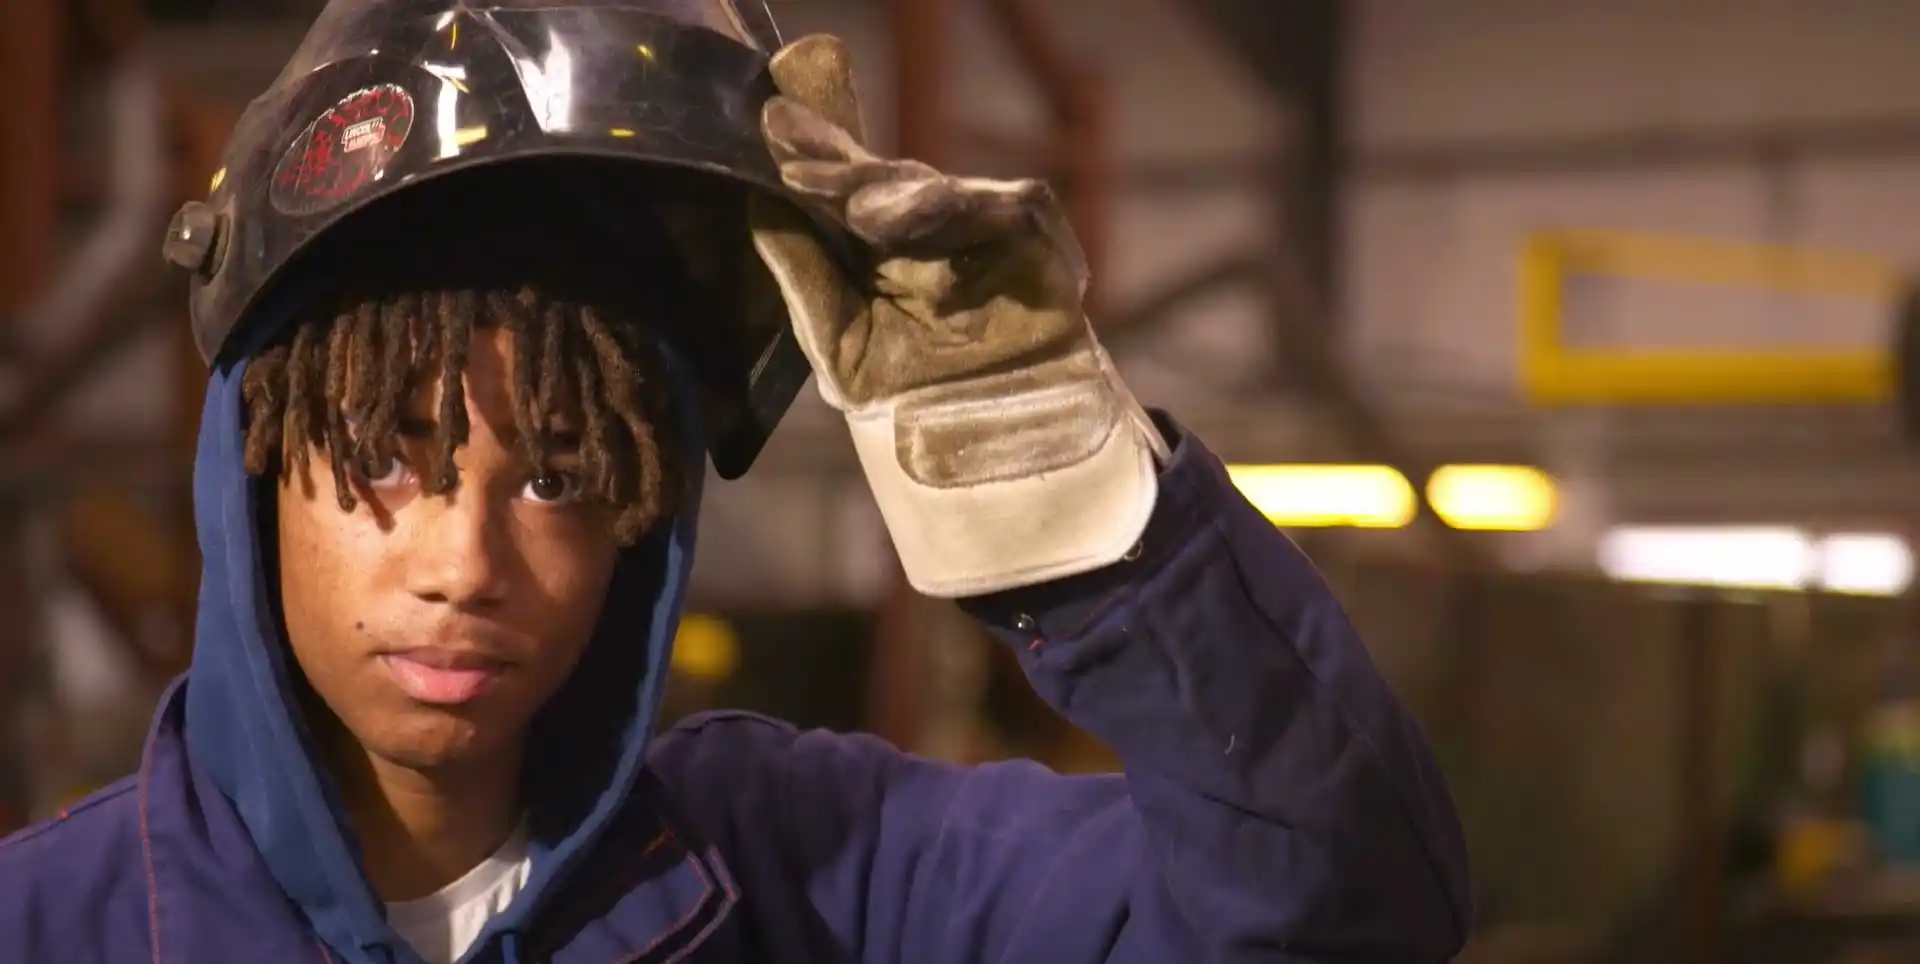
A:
(1277, 802)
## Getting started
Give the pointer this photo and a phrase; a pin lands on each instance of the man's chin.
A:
(436, 739)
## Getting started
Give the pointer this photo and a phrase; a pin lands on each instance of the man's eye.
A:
(556, 488)
(381, 471)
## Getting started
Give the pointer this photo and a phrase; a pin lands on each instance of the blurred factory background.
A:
(1568, 337)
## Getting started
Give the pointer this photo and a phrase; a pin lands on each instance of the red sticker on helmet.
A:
(344, 150)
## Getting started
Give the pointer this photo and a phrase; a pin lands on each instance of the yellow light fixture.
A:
(1362, 496)
(1506, 498)
(705, 648)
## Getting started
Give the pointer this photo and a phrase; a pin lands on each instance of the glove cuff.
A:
(1006, 529)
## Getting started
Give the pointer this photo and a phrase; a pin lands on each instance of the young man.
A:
(446, 488)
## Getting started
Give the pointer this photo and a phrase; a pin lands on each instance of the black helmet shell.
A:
(386, 94)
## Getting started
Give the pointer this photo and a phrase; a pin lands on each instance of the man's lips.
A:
(443, 676)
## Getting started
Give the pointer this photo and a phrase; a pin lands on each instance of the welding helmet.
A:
(645, 111)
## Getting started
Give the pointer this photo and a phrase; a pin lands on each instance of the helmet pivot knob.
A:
(192, 238)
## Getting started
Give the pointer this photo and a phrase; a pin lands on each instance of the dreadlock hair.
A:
(337, 380)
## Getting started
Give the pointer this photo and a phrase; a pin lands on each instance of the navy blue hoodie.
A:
(1277, 804)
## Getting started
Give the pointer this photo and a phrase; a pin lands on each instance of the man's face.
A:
(434, 626)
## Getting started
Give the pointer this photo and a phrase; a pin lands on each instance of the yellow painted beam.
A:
(1708, 378)
(1555, 373)
(1708, 261)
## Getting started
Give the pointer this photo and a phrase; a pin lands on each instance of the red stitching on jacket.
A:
(659, 840)
(603, 891)
(706, 882)
(732, 896)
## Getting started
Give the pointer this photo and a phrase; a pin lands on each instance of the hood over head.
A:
(244, 724)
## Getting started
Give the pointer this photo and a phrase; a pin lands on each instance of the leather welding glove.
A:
(1000, 444)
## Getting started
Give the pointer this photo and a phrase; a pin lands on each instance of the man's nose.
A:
(462, 552)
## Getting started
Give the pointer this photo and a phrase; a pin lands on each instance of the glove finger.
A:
(833, 183)
(820, 304)
(937, 213)
(795, 132)
(817, 71)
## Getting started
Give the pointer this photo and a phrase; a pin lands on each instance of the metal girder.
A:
(128, 318)
(1605, 152)
(1700, 847)
(1078, 143)
(1296, 49)
(1889, 138)
(30, 161)
(31, 52)
(121, 302)
(922, 130)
